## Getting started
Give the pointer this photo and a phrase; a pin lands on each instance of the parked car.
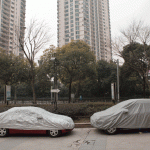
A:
(129, 114)
(34, 120)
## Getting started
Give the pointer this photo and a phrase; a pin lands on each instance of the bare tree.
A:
(37, 37)
(136, 32)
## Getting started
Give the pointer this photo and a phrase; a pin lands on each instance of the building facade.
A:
(87, 20)
(12, 25)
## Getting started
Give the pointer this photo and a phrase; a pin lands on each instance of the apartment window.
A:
(66, 40)
(71, 0)
(66, 27)
(72, 30)
(67, 31)
(77, 19)
(76, 6)
(66, 23)
(77, 32)
(66, 11)
(71, 17)
(66, 7)
(66, 19)
(71, 25)
(71, 9)
(66, 3)
(77, 27)
(77, 14)
(71, 13)
(67, 35)
(76, 2)
(72, 34)
(77, 10)
(66, 15)
(77, 23)
(71, 21)
(77, 37)
(72, 38)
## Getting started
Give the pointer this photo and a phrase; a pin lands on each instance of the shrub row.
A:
(73, 110)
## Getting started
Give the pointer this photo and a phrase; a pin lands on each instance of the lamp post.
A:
(118, 95)
(55, 91)
(115, 86)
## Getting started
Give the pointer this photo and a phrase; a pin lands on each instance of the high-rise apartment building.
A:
(12, 25)
(87, 20)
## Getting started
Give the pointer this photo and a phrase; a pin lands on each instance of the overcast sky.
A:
(122, 12)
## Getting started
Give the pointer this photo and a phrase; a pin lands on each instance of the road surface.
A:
(80, 139)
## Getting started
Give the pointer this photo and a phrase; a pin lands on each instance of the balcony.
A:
(6, 3)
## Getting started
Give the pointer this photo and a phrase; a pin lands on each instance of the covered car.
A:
(129, 114)
(34, 119)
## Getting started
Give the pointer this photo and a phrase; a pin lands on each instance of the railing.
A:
(29, 100)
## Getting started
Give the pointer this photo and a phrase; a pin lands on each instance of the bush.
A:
(73, 110)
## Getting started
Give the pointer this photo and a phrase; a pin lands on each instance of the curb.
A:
(83, 125)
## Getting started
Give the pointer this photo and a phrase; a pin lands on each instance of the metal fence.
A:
(61, 100)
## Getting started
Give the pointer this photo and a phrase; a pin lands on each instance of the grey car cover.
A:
(134, 113)
(34, 118)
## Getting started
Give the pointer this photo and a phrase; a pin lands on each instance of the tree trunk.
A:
(70, 90)
(15, 95)
(5, 94)
(144, 86)
(32, 83)
(33, 90)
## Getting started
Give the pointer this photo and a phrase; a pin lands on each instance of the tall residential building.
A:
(87, 20)
(12, 25)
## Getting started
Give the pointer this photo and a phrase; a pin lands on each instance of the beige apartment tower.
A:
(12, 25)
(87, 20)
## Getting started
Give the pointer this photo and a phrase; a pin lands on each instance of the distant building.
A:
(87, 20)
(12, 24)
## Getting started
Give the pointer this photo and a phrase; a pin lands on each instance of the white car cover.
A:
(34, 118)
(134, 113)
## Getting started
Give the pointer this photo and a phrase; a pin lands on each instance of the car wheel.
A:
(3, 132)
(54, 133)
(111, 131)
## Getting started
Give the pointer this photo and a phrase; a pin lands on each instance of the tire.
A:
(3, 132)
(111, 131)
(54, 133)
